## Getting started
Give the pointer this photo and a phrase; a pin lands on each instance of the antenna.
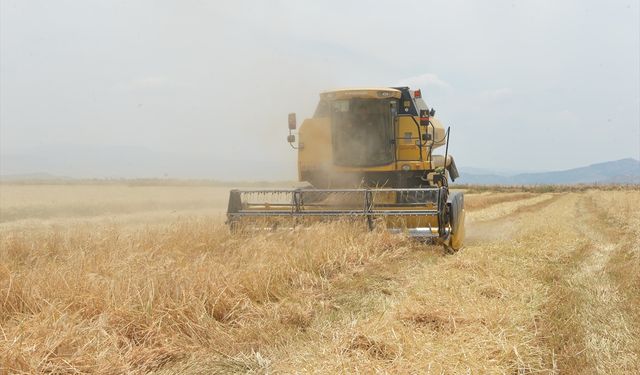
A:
(446, 150)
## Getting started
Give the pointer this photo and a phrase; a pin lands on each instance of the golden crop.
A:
(114, 279)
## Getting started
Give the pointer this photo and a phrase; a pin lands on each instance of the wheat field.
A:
(148, 279)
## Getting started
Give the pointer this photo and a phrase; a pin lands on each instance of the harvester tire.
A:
(456, 221)
(457, 238)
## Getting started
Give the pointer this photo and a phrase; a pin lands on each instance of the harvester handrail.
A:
(293, 190)
(338, 212)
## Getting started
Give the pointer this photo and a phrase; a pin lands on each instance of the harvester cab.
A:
(366, 153)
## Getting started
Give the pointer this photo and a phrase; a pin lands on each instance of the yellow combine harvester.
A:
(366, 153)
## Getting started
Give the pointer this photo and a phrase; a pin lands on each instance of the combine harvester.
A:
(366, 154)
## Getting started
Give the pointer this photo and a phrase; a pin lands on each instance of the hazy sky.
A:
(525, 85)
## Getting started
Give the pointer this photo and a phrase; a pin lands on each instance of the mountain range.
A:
(624, 171)
(80, 162)
(131, 162)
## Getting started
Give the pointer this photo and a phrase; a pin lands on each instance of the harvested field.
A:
(116, 279)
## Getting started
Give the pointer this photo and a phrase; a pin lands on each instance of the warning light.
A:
(417, 94)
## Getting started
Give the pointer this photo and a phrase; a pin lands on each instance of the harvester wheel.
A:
(456, 220)
(457, 238)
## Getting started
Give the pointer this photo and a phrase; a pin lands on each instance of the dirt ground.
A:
(141, 279)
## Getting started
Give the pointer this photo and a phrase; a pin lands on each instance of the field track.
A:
(547, 283)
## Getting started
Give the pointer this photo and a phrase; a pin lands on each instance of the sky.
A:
(203, 88)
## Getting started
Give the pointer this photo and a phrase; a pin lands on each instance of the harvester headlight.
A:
(406, 167)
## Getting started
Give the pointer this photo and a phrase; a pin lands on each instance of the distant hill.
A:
(133, 162)
(624, 171)
(33, 177)
(64, 162)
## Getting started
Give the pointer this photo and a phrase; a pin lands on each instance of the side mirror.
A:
(432, 112)
(292, 121)
(424, 117)
(291, 138)
(426, 137)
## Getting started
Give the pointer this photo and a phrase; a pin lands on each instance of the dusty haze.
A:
(202, 89)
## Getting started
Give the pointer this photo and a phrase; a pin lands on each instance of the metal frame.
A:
(292, 205)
